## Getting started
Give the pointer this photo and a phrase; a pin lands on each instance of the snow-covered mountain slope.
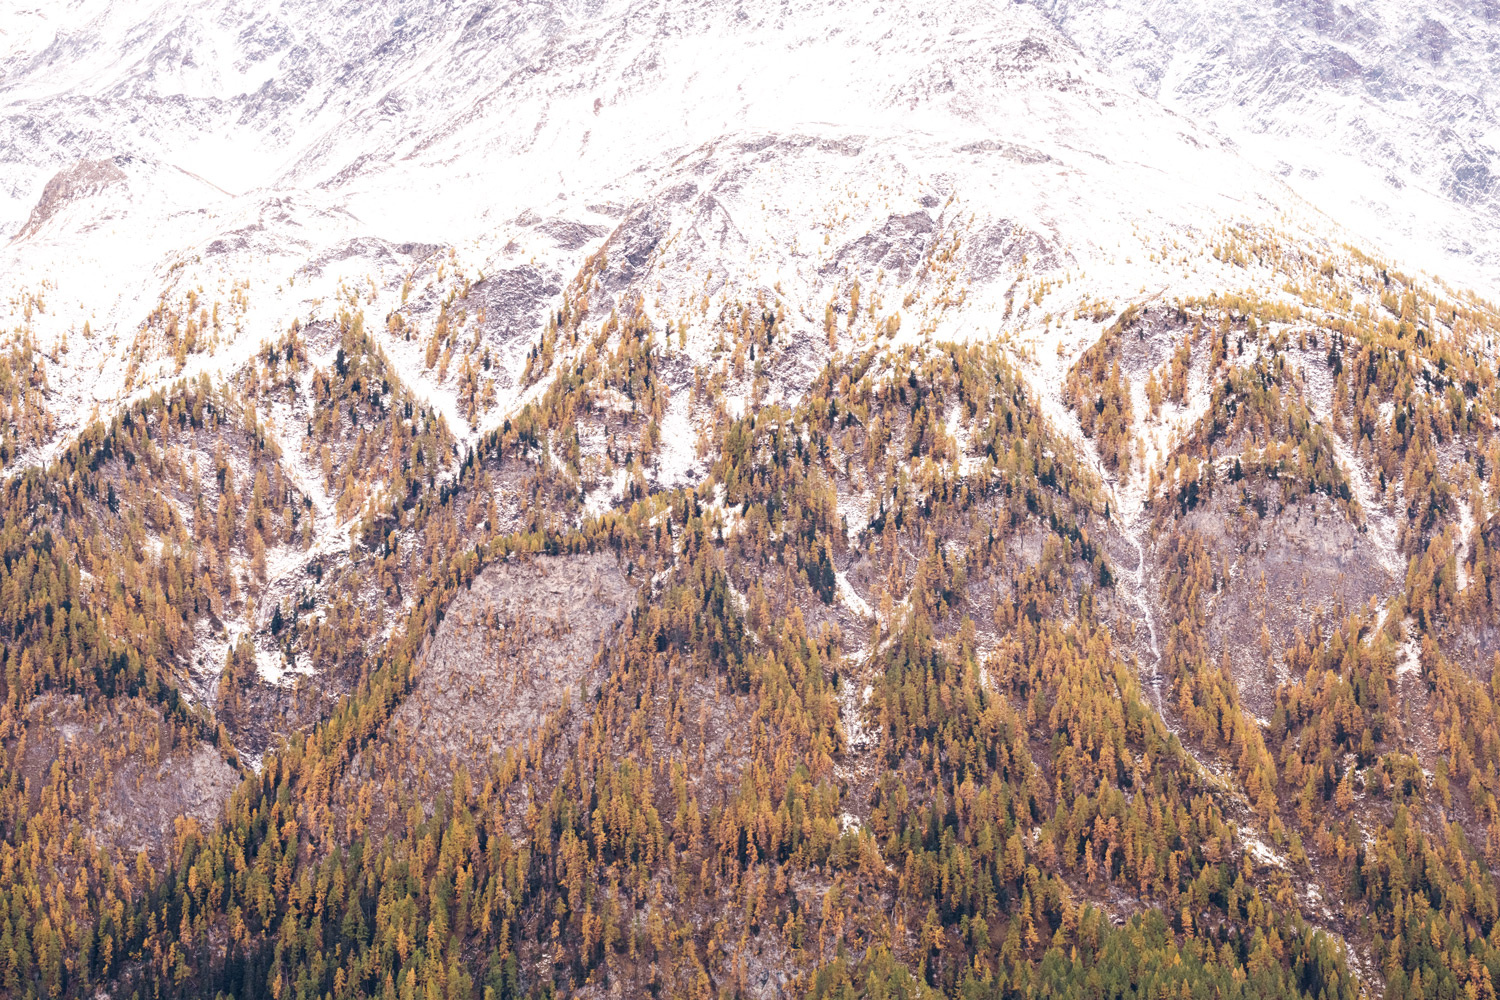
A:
(190, 183)
(972, 466)
(272, 158)
(1382, 113)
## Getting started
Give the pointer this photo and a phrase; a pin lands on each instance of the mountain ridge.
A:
(741, 500)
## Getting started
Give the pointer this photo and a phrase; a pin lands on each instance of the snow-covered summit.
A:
(1383, 113)
(276, 156)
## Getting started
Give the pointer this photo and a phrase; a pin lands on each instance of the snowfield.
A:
(949, 161)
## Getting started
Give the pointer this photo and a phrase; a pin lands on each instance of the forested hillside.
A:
(887, 704)
(740, 501)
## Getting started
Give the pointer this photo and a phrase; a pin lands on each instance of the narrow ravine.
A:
(1139, 596)
(1379, 524)
(1127, 519)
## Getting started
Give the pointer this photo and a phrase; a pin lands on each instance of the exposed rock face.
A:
(953, 420)
(148, 780)
(147, 804)
(1289, 570)
(512, 650)
(82, 180)
(1369, 109)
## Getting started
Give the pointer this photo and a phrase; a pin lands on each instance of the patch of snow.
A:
(271, 665)
(1410, 664)
(677, 462)
(1261, 851)
(1465, 536)
(1381, 525)
(851, 715)
(854, 508)
(606, 496)
(850, 597)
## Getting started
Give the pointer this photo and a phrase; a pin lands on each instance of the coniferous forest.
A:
(870, 710)
(749, 501)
